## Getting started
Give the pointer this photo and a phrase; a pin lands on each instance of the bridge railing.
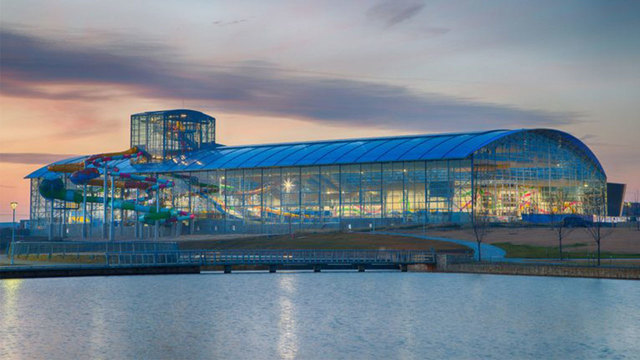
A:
(50, 248)
(272, 257)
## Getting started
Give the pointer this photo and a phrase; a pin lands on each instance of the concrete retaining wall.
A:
(18, 272)
(545, 270)
(421, 268)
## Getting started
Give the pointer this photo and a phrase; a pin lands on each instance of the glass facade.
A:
(516, 175)
(536, 173)
(166, 135)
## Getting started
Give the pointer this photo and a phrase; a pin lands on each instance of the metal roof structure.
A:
(183, 114)
(333, 152)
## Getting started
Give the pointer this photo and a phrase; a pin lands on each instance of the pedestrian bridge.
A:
(114, 254)
(315, 259)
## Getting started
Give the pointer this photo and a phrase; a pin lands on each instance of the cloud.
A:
(592, 140)
(226, 23)
(32, 158)
(392, 12)
(32, 59)
(30, 64)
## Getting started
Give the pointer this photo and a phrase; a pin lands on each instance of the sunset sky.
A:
(72, 72)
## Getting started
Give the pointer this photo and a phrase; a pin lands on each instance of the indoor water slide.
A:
(206, 189)
(220, 207)
(87, 173)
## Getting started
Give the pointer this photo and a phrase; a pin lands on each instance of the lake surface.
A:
(330, 315)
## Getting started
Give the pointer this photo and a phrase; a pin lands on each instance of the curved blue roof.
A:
(333, 152)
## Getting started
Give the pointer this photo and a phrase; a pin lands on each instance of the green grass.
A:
(576, 245)
(545, 252)
(67, 259)
(334, 240)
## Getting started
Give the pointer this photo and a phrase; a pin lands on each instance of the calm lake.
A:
(329, 315)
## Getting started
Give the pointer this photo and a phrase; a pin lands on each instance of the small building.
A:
(615, 198)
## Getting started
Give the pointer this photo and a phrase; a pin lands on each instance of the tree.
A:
(597, 228)
(636, 209)
(557, 201)
(480, 228)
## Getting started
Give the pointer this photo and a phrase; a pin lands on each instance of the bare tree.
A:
(597, 228)
(480, 228)
(636, 208)
(557, 201)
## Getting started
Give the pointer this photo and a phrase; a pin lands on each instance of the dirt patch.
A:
(617, 240)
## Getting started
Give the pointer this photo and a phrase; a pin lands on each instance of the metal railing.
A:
(273, 257)
(26, 248)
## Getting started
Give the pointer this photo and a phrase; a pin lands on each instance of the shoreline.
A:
(57, 271)
(592, 272)
(523, 269)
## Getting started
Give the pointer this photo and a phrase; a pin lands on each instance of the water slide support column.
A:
(111, 220)
(104, 202)
(63, 216)
(156, 234)
(137, 229)
(122, 213)
(91, 214)
(189, 191)
(51, 220)
(84, 212)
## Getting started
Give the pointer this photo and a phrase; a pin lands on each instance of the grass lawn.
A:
(58, 258)
(546, 252)
(337, 240)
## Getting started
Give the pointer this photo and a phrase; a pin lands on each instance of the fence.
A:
(273, 257)
(25, 248)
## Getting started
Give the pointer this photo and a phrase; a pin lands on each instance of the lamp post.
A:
(14, 205)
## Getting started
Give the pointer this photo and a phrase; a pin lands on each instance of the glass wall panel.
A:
(350, 189)
(330, 189)
(439, 188)
(372, 190)
(272, 178)
(291, 194)
(206, 199)
(252, 195)
(460, 173)
(310, 194)
(233, 195)
(393, 189)
(415, 202)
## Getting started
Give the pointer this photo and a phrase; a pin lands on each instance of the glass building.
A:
(506, 175)
(168, 134)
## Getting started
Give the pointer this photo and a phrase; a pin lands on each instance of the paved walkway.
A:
(489, 252)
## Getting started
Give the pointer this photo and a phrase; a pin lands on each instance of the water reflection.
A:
(319, 316)
(10, 289)
(287, 339)
(97, 343)
(404, 323)
(9, 316)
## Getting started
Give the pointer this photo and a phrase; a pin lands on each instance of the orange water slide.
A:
(120, 184)
(133, 150)
(66, 168)
(73, 167)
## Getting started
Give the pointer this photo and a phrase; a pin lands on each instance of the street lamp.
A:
(14, 205)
